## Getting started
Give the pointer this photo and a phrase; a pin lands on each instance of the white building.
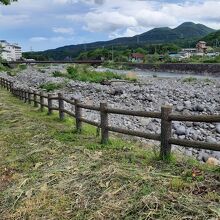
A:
(10, 52)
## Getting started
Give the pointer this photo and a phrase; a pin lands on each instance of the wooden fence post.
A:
(10, 87)
(29, 96)
(104, 123)
(50, 104)
(7, 85)
(61, 106)
(21, 94)
(25, 96)
(41, 101)
(166, 129)
(35, 99)
(78, 114)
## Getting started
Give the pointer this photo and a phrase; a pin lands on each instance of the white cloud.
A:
(108, 21)
(130, 17)
(37, 39)
(63, 30)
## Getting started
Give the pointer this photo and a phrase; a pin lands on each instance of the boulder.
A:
(218, 128)
(179, 108)
(181, 130)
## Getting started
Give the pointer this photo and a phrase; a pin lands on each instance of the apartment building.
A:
(10, 52)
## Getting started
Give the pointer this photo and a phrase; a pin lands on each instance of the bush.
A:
(50, 87)
(189, 79)
(22, 67)
(57, 74)
(84, 74)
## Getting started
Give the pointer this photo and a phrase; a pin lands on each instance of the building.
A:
(10, 52)
(137, 58)
(190, 50)
(201, 47)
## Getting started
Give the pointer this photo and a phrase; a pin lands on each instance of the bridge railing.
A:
(165, 138)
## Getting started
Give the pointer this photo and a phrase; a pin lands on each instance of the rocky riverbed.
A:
(198, 97)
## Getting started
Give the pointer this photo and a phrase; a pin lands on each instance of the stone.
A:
(199, 108)
(179, 108)
(181, 130)
(211, 139)
(187, 103)
(218, 128)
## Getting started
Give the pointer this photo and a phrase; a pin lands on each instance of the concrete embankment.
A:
(200, 69)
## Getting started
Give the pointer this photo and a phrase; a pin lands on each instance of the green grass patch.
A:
(189, 79)
(50, 87)
(58, 74)
(83, 73)
(22, 67)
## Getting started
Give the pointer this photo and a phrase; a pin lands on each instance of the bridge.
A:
(92, 62)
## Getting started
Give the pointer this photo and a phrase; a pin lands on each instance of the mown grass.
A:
(48, 171)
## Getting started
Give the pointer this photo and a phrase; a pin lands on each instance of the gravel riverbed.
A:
(199, 97)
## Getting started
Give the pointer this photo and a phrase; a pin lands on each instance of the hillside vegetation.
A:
(184, 34)
(47, 171)
(213, 38)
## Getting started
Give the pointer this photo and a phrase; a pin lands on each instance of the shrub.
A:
(190, 79)
(49, 87)
(57, 74)
(22, 67)
(84, 74)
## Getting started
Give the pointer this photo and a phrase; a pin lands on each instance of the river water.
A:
(150, 74)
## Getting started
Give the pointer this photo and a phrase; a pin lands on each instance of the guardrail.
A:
(166, 116)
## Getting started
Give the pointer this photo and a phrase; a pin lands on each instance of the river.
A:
(141, 74)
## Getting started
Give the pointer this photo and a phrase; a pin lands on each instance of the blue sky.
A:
(46, 24)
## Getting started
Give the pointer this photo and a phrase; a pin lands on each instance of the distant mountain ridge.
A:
(185, 31)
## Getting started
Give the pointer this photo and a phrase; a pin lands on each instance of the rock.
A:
(179, 108)
(117, 92)
(187, 103)
(199, 108)
(213, 161)
(211, 140)
(204, 156)
(181, 130)
(216, 154)
(218, 128)
(151, 127)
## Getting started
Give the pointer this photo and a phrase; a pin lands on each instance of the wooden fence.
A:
(166, 116)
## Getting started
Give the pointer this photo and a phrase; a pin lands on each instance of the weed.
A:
(50, 87)
(57, 74)
(189, 79)
(22, 67)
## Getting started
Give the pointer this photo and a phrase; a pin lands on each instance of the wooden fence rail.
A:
(166, 116)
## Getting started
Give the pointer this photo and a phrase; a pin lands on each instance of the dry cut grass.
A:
(47, 171)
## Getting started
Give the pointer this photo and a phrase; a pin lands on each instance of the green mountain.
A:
(212, 39)
(187, 31)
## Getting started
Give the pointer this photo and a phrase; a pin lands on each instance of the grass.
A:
(85, 74)
(22, 67)
(189, 79)
(50, 87)
(48, 171)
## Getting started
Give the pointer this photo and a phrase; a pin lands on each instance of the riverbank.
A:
(184, 68)
(187, 96)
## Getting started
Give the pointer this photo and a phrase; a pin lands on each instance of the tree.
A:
(7, 2)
